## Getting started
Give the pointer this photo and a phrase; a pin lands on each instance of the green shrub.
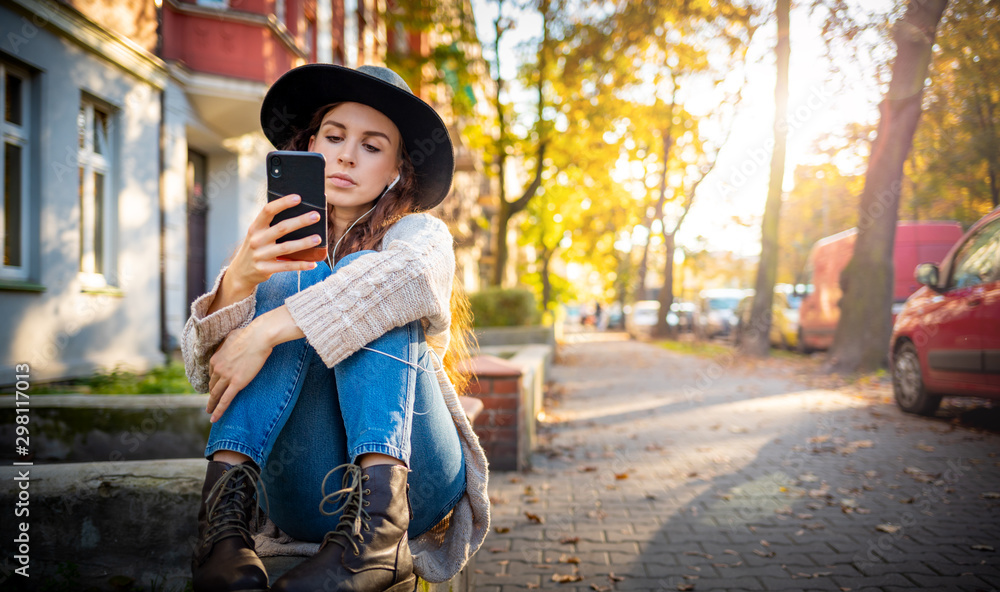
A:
(169, 379)
(504, 307)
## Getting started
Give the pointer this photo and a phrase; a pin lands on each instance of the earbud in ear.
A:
(393, 184)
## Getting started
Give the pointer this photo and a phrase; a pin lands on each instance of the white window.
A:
(98, 204)
(14, 154)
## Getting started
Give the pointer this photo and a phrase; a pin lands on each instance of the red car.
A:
(946, 340)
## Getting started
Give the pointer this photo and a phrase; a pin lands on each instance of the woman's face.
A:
(361, 147)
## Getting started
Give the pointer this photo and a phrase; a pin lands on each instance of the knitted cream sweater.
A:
(409, 278)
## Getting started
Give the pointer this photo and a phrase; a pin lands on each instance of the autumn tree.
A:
(954, 168)
(862, 334)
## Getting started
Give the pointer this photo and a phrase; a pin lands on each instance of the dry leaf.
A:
(621, 476)
(889, 528)
(763, 553)
(925, 447)
(566, 578)
(685, 587)
(597, 588)
(819, 439)
(569, 559)
(587, 469)
(983, 548)
(569, 540)
(991, 495)
(501, 529)
(614, 578)
(531, 585)
(534, 518)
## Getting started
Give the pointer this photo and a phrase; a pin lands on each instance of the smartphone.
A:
(302, 173)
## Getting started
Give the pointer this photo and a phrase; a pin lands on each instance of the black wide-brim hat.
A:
(293, 100)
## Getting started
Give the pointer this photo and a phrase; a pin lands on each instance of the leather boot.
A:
(368, 551)
(224, 560)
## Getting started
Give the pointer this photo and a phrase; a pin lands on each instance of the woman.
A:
(319, 372)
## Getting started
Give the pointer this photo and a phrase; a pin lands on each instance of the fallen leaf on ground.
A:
(685, 587)
(614, 578)
(925, 447)
(534, 518)
(991, 495)
(763, 553)
(569, 559)
(621, 476)
(566, 578)
(587, 469)
(889, 528)
(569, 540)
(983, 548)
(597, 588)
(501, 529)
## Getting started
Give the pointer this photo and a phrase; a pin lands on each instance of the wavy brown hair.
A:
(368, 233)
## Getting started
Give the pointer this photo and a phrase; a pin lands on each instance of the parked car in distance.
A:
(641, 317)
(946, 339)
(784, 331)
(715, 315)
(916, 242)
(681, 316)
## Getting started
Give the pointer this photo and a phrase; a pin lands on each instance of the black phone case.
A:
(302, 173)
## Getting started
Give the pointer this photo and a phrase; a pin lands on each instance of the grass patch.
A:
(703, 349)
(168, 379)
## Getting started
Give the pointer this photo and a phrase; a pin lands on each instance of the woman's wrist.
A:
(277, 326)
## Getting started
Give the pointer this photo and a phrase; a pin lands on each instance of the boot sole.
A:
(407, 585)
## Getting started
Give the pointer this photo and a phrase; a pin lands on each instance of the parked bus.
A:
(916, 242)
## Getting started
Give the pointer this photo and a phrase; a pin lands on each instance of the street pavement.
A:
(665, 471)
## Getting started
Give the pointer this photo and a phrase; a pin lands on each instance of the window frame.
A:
(18, 135)
(992, 230)
(97, 262)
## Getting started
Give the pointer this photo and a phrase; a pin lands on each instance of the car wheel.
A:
(908, 383)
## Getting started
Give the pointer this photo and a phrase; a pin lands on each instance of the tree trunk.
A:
(546, 280)
(757, 339)
(503, 215)
(666, 296)
(862, 337)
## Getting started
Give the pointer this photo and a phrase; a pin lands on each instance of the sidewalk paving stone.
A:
(645, 480)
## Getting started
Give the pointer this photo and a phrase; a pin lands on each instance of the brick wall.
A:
(497, 384)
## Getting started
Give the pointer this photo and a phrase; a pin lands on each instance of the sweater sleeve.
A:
(204, 332)
(409, 279)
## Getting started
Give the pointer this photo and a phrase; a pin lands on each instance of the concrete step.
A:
(127, 525)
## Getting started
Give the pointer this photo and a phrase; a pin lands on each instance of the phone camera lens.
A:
(275, 167)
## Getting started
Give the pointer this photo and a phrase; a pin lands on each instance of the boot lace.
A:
(228, 512)
(353, 516)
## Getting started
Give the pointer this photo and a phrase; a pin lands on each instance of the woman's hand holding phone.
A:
(261, 255)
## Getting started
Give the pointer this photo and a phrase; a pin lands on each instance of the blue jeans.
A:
(298, 419)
